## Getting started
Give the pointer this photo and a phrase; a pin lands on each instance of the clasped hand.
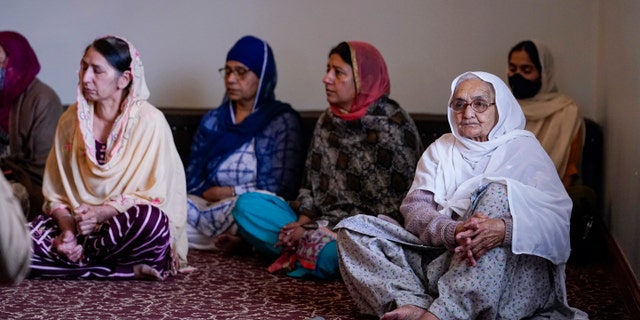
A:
(477, 235)
(67, 245)
(84, 220)
(289, 236)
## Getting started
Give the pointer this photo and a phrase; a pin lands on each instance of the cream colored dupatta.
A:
(552, 116)
(142, 164)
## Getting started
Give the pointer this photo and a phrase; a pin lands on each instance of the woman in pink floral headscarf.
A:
(114, 185)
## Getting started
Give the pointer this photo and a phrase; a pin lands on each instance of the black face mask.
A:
(523, 88)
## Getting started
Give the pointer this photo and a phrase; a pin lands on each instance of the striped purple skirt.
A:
(138, 236)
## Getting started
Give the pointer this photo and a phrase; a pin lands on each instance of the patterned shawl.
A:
(371, 77)
(22, 68)
(142, 163)
(362, 166)
(539, 204)
(552, 116)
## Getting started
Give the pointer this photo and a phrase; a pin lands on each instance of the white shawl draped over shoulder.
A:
(142, 163)
(540, 206)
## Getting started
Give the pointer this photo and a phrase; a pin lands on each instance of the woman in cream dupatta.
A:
(553, 117)
(555, 120)
(114, 184)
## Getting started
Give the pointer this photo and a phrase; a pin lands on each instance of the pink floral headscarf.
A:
(138, 92)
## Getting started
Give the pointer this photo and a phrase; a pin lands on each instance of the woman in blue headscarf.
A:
(251, 142)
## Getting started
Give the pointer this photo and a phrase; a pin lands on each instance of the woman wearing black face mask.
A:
(556, 121)
(552, 116)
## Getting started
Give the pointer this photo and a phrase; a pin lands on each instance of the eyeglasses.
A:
(239, 71)
(479, 106)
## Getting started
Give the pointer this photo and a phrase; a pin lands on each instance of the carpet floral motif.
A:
(239, 287)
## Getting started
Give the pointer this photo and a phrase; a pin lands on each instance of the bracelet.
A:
(233, 191)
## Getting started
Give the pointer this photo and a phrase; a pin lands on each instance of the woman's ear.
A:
(124, 79)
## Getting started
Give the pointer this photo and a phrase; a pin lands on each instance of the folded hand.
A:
(477, 235)
(67, 245)
(289, 236)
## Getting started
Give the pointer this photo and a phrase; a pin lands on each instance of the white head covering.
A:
(453, 167)
(510, 117)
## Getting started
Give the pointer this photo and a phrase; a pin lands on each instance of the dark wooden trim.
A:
(313, 114)
(624, 276)
(184, 111)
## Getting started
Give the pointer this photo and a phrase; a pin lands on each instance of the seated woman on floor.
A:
(114, 184)
(252, 142)
(555, 120)
(553, 117)
(486, 223)
(361, 160)
(29, 111)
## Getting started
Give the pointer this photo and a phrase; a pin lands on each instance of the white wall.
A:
(426, 43)
(620, 96)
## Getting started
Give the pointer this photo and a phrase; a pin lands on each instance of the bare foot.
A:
(143, 271)
(429, 316)
(406, 312)
(227, 243)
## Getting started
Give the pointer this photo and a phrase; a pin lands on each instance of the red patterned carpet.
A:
(240, 288)
(222, 288)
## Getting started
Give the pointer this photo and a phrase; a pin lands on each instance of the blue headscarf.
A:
(258, 57)
(223, 134)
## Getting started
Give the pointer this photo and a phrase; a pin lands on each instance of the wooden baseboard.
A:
(624, 276)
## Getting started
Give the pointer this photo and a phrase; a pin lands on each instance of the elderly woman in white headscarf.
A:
(486, 223)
